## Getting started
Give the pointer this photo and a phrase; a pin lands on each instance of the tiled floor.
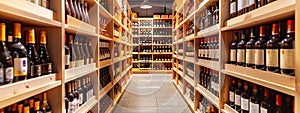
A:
(151, 93)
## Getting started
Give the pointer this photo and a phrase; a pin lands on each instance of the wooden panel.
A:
(77, 72)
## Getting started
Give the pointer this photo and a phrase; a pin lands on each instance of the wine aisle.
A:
(151, 93)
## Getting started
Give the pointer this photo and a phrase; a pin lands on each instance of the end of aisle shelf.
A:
(18, 91)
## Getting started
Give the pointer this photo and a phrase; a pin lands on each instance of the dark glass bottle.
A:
(34, 69)
(278, 107)
(203, 19)
(31, 104)
(287, 106)
(232, 89)
(241, 50)
(37, 105)
(216, 55)
(233, 8)
(250, 53)
(84, 90)
(287, 50)
(272, 50)
(72, 8)
(45, 107)
(70, 97)
(216, 14)
(77, 9)
(91, 53)
(44, 54)
(260, 50)
(233, 49)
(67, 54)
(209, 17)
(26, 107)
(76, 94)
(86, 11)
(237, 96)
(7, 75)
(19, 54)
(254, 100)
(265, 106)
(245, 98)
(73, 55)
(80, 93)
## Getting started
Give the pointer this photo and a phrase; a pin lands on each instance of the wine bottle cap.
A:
(290, 26)
(17, 30)
(43, 37)
(275, 29)
(254, 88)
(31, 37)
(2, 31)
(266, 92)
(278, 100)
(262, 31)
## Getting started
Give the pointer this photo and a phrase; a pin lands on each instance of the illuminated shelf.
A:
(208, 95)
(88, 105)
(77, 72)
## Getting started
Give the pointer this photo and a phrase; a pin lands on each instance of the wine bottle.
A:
(265, 106)
(233, 49)
(278, 107)
(72, 8)
(6, 60)
(232, 89)
(34, 69)
(20, 107)
(31, 104)
(37, 105)
(260, 46)
(80, 93)
(245, 98)
(45, 107)
(26, 107)
(250, 53)
(19, 54)
(237, 96)
(272, 50)
(254, 101)
(241, 50)
(76, 94)
(70, 97)
(73, 55)
(67, 54)
(44, 54)
(91, 53)
(84, 90)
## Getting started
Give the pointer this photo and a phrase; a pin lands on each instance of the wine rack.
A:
(203, 29)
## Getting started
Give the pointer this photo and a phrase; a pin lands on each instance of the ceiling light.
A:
(146, 5)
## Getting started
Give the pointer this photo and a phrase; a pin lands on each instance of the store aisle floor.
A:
(151, 93)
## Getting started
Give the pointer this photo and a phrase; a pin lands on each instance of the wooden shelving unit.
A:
(56, 24)
(139, 45)
(272, 12)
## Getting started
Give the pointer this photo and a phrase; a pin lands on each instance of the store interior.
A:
(149, 56)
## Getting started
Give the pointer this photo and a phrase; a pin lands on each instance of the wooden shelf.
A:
(163, 36)
(145, 53)
(79, 27)
(116, 80)
(162, 61)
(162, 27)
(119, 40)
(213, 30)
(189, 80)
(105, 63)
(189, 59)
(158, 53)
(275, 81)
(15, 92)
(215, 65)
(87, 106)
(77, 72)
(105, 38)
(208, 95)
(118, 59)
(189, 102)
(274, 11)
(189, 37)
(228, 109)
(161, 44)
(104, 90)
(110, 109)
(27, 12)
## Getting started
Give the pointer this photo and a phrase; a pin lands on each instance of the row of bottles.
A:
(247, 97)
(162, 48)
(162, 23)
(78, 92)
(147, 58)
(267, 49)
(206, 107)
(190, 70)
(103, 24)
(146, 49)
(116, 31)
(209, 79)
(190, 28)
(209, 48)
(35, 104)
(161, 66)
(146, 66)
(43, 3)
(190, 52)
(117, 69)
(162, 57)
(20, 62)
(146, 41)
(146, 32)
(145, 23)
(190, 7)
(162, 31)
(78, 51)
(104, 51)
(135, 32)
(162, 41)
(135, 24)
(105, 77)
(180, 50)
(239, 7)
(105, 103)
(77, 9)
(209, 17)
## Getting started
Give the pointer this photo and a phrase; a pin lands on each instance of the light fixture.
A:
(146, 5)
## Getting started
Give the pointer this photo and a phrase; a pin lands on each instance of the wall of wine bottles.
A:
(59, 56)
(152, 50)
(217, 44)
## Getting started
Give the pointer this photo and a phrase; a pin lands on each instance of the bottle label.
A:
(232, 7)
(231, 96)
(251, 2)
(47, 68)
(9, 74)
(272, 57)
(245, 3)
(21, 66)
(1, 75)
(254, 108)
(75, 103)
(237, 99)
(36, 70)
(233, 55)
(263, 110)
(67, 59)
(240, 5)
(217, 53)
(259, 57)
(80, 101)
(250, 56)
(205, 52)
(287, 58)
(70, 108)
(245, 104)
(241, 55)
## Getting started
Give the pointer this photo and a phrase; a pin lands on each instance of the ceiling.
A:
(159, 7)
